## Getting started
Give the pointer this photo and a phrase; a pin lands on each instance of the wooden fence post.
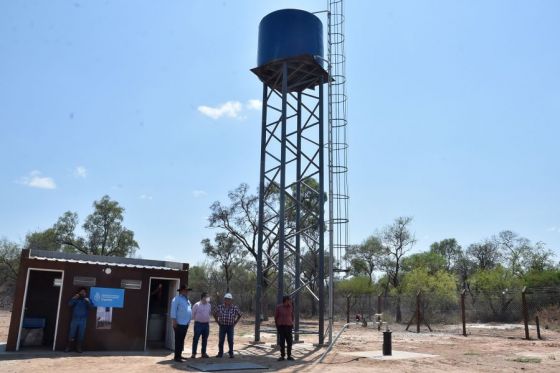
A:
(538, 327)
(418, 312)
(347, 309)
(525, 312)
(463, 318)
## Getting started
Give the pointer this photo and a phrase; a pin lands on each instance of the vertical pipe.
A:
(298, 220)
(463, 317)
(525, 313)
(321, 282)
(282, 199)
(258, 292)
(331, 186)
(537, 323)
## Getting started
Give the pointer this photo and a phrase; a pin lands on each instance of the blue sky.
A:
(454, 115)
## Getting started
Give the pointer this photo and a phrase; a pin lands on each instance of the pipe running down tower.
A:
(291, 228)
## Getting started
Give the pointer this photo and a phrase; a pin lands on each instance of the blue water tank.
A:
(289, 33)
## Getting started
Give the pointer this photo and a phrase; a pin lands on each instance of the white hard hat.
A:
(228, 296)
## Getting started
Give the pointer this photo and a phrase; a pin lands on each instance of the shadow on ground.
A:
(28, 354)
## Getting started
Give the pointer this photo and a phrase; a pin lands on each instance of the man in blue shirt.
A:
(80, 304)
(181, 316)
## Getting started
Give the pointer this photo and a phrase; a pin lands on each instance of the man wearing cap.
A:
(201, 312)
(181, 316)
(227, 315)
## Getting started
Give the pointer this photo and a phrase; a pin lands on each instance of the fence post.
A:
(347, 309)
(379, 312)
(538, 327)
(525, 312)
(418, 312)
(463, 318)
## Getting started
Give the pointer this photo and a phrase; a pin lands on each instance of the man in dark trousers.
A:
(227, 315)
(284, 320)
(80, 304)
(181, 314)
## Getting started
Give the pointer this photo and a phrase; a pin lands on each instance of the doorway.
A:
(159, 329)
(39, 319)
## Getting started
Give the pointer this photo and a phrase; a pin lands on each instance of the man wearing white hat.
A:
(227, 315)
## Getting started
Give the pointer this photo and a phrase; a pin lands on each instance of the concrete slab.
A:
(397, 355)
(215, 367)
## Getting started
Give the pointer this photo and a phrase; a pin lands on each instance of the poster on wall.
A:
(104, 318)
(107, 297)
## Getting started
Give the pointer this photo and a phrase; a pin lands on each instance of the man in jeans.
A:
(181, 316)
(201, 316)
(227, 316)
(284, 320)
(80, 304)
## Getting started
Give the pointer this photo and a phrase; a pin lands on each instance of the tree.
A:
(104, 233)
(366, 257)
(45, 240)
(429, 261)
(537, 259)
(224, 251)
(240, 220)
(484, 254)
(9, 260)
(353, 289)
(450, 249)
(499, 287)
(438, 289)
(399, 240)
(512, 248)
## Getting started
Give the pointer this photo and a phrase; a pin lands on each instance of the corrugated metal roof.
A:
(104, 260)
(102, 263)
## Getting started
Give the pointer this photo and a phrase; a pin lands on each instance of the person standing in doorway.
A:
(201, 312)
(80, 304)
(284, 320)
(181, 314)
(227, 315)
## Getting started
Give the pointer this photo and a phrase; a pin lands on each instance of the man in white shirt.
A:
(201, 312)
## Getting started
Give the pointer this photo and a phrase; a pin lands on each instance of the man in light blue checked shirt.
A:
(181, 316)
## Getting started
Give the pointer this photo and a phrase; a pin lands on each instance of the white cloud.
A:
(554, 229)
(146, 196)
(80, 172)
(199, 193)
(35, 180)
(230, 109)
(254, 104)
(169, 258)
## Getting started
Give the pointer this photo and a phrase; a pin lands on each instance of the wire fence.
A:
(515, 313)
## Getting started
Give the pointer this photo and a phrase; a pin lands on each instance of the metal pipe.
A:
(344, 327)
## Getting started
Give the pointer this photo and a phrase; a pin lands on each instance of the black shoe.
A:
(291, 358)
(193, 356)
(178, 360)
(205, 356)
(220, 355)
(231, 356)
(281, 358)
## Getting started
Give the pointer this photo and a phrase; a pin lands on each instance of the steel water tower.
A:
(291, 66)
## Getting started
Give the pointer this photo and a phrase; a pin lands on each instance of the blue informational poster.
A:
(107, 297)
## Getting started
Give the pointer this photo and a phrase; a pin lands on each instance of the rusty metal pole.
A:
(525, 312)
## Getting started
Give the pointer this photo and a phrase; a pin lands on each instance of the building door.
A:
(41, 308)
(159, 333)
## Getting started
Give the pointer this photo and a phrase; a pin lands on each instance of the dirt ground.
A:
(494, 348)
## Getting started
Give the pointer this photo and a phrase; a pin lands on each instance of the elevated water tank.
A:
(289, 33)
